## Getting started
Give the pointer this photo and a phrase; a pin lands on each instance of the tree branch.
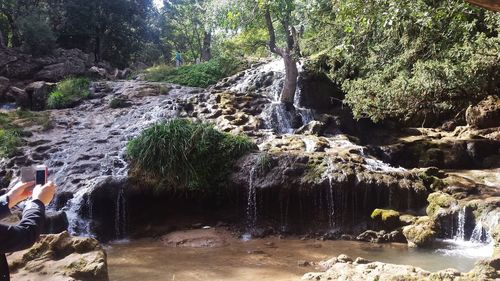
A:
(272, 35)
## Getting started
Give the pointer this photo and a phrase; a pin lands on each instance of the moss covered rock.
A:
(422, 233)
(439, 202)
(386, 218)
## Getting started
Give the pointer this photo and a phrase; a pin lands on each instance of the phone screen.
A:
(40, 177)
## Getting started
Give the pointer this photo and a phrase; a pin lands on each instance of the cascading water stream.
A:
(480, 242)
(460, 232)
(330, 197)
(251, 211)
(120, 215)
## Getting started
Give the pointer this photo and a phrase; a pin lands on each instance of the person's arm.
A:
(4, 206)
(23, 235)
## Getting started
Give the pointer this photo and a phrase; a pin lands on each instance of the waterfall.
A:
(330, 197)
(252, 202)
(460, 232)
(269, 79)
(331, 204)
(480, 243)
(478, 234)
(120, 215)
(77, 224)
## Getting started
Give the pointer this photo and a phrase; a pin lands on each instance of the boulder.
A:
(19, 96)
(389, 219)
(60, 64)
(60, 257)
(38, 92)
(420, 234)
(488, 269)
(382, 236)
(59, 71)
(98, 72)
(342, 269)
(485, 114)
(439, 203)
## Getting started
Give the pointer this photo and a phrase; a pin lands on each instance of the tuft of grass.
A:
(196, 75)
(11, 128)
(264, 162)
(183, 155)
(69, 93)
(10, 136)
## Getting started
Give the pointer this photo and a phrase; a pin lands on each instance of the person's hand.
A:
(20, 192)
(44, 193)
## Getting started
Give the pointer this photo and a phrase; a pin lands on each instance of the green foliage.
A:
(69, 92)
(11, 128)
(264, 163)
(196, 75)
(414, 61)
(10, 137)
(9, 141)
(36, 35)
(249, 43)
(186, 156)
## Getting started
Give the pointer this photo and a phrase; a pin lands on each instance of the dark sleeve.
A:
(4, 206)
(23, 235)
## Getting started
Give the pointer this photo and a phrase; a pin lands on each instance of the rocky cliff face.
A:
(27, 80)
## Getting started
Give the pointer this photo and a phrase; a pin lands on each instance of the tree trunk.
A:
(291, 75)
(291, 71)
(16, 39)
(493, 5)
(206, 52)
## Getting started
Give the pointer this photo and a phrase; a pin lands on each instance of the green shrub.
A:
(10, 136)
(414, 61)
(9, 141)
(183, 155)
(196, 75)
(69, 92)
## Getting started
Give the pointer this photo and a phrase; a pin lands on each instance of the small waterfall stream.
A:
(460, 231)
(121, 215)
(251, 211)
(330, 197)
(475, 243)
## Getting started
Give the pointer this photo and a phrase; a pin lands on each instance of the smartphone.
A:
(41, 174)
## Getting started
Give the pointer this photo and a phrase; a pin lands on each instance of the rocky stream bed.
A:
(318, 175)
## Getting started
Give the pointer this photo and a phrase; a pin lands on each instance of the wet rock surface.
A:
(344, 268)
(197, 238)
(60, 257)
